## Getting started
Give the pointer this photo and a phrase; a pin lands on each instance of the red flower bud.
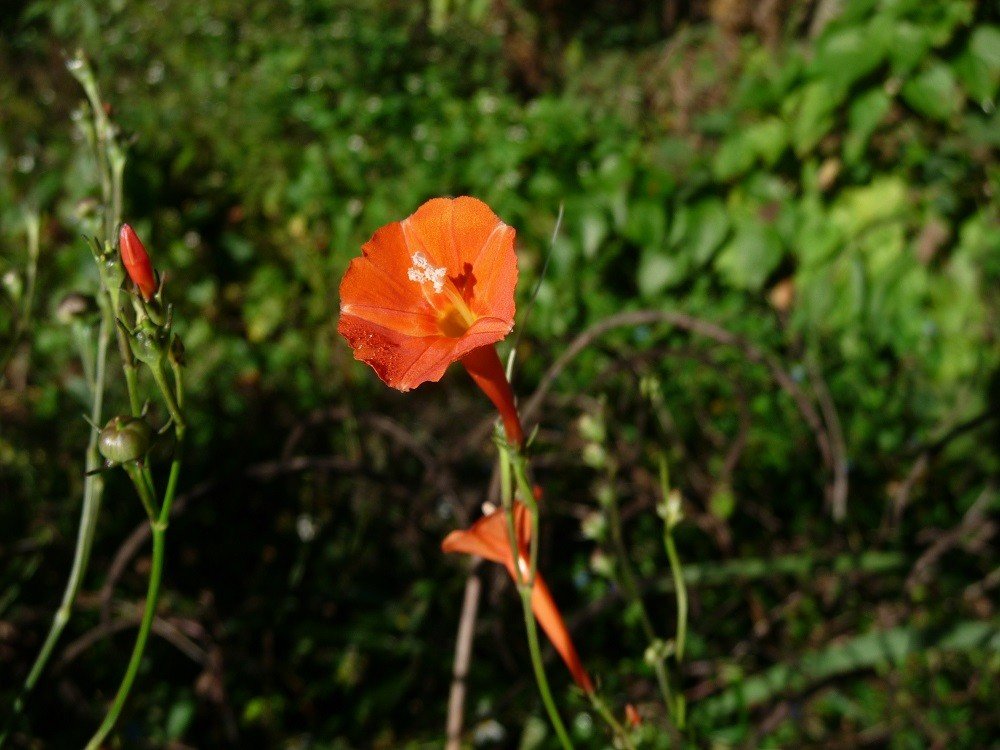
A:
(136, 262)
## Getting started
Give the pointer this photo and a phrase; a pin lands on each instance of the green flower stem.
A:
(168, 395)
(158, 524)
(672, 513)
(159, 529)
(631, 590)
(131, 371)
(93, 489)
(536, 662)
(152, 595)
(680, 588)
(142, 488)
(520, 464)
(524, 590)
(624, 566)
(178, 382)
(104, 138)
(609, 718)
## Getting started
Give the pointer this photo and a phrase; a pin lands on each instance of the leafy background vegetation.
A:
(819, 179)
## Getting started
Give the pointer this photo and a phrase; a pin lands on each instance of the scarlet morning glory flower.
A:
(432, 289)
(136, 262)
(488, 538)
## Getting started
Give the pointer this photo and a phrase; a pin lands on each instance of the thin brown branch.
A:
(837, 491)
(702, 328)
(974, 524)
(463, 657)
(163, 628)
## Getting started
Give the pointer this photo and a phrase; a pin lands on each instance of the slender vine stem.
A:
(670, 510)
(172, 397)
(520, 466)
(609, 718)
(148, 615)
(509, 464)
(158, 525)
(536, 662)
(93, 489)
(656, 655)
(681, 589)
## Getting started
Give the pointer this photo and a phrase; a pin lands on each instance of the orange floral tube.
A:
(488, 538)
(483, 364)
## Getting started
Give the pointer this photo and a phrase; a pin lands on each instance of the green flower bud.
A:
(149, 343)
(658, 651)
(125, 439)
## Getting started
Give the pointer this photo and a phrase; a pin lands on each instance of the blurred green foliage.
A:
(828, 191)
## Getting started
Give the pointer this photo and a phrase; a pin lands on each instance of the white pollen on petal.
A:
(422, 271)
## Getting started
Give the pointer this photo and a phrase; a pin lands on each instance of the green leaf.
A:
(815, 115)
(985, 44)
(179, 718)
(848, 54)
(934, 92)
(768, 139)
(734, 157)
(750, 256)
(646, 224)
(865, 651)
(659, 269)
(858, 208)
(593, 230)
(699, 230)
(907, 46)
(866, 112)
(978, 67)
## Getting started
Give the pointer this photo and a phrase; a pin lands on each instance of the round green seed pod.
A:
(125, 439)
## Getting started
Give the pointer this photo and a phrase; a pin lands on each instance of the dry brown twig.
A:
(166, 629)
(711, 331)
(973, 530)
(463, 657)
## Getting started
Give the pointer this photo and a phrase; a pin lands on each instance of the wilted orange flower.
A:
(632, 717)
(431, 289)
(136, 262)
(488, 538)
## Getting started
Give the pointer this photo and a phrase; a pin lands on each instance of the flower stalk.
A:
(152, 343)
(109, 162)
(158, 524)
(670, 510)
(524, 588)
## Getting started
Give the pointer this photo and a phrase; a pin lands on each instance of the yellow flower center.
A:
(454, 316)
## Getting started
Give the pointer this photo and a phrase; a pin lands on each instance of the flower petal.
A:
(405, 361)
(463, 234)
(487, 537)
(405, 330)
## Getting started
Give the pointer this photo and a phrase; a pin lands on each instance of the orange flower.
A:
(431, 289)
(136, 262)
(632, 717)
(488, 538)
